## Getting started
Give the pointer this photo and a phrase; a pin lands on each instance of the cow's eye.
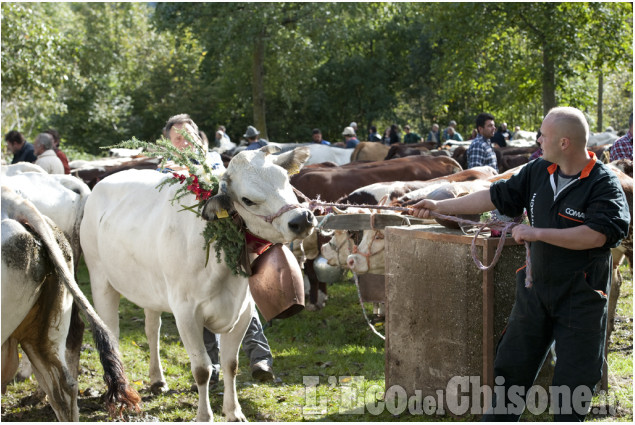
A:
(248, 202)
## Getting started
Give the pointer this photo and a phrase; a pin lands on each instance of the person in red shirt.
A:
(61, 155)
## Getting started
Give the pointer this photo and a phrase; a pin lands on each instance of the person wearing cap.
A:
(350, 137)
(623, 147)
(354, 125)
(253, 141)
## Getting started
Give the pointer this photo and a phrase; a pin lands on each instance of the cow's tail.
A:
(119, 394)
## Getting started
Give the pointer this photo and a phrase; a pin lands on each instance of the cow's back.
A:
(333, 183)
(143, 245)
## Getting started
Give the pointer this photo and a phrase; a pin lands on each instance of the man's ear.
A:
(565, 143)
(293, 160)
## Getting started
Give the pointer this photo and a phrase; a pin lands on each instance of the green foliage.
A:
(226, 234)
(35, 63)
(105, 72)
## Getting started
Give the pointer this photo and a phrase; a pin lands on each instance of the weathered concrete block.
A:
(435, 306)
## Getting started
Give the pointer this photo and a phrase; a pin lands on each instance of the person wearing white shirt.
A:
(46, 156)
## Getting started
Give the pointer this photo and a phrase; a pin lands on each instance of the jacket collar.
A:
(585, 171)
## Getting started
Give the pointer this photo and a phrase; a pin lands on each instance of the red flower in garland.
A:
(196, 189)
(179, 177)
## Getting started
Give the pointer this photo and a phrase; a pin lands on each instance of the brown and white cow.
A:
(38, 290)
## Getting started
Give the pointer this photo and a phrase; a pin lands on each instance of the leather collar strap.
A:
(255, 244)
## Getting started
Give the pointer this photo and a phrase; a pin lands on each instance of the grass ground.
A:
(329, 347)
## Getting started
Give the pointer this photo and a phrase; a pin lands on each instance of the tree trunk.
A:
(548, 80)
(600, 101)
(258, 85)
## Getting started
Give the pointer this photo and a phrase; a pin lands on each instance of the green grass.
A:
(329, 345)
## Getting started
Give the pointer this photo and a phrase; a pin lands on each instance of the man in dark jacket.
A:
(577, 212)
(22, 150)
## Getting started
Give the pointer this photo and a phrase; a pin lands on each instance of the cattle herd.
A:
(110, 211)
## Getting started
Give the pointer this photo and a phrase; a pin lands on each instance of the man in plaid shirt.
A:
(623, 147)
(480, 151)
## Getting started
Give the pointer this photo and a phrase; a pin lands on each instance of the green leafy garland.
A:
(224, 232)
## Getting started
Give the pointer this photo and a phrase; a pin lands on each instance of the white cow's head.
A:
(368, 256)
(338, 248)
(256, 186)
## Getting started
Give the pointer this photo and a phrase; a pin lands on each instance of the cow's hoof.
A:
(312, 307)
(235, 416)
(159, 388)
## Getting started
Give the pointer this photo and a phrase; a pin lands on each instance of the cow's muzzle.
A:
(302, 223)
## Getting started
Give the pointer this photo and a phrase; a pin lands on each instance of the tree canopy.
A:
(101, 73)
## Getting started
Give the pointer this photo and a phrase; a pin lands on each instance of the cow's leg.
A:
(106, 302)
(314, 286)
(46, 348)
(54, 377)
(153, 328)
(229, 347)
(191, 331)
(10, 361)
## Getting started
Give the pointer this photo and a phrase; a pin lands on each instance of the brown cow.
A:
(372, 194)
(331, 184)
(91, 172)
(401, 150)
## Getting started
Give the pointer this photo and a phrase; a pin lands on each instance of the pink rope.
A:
(504, 227)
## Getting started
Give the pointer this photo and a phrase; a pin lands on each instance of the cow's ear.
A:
(269, 149)
(293, 160)
(219, 205)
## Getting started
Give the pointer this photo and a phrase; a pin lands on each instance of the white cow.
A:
(59, 197)
(21, 167)
(137, 244)
(326, 153)
(38, 290)
(604, 138)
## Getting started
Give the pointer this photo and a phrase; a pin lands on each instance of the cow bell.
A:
(276, 284)
(325, 272)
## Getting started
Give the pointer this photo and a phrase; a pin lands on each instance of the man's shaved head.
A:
(570, 123)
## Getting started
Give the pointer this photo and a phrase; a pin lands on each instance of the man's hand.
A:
(523, 233)
(423, 208)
